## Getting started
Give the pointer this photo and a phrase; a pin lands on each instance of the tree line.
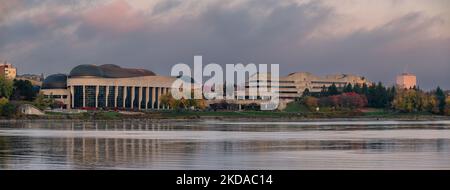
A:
(377, 95)
(15, 92)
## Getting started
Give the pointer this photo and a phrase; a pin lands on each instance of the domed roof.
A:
(108, 71)
(56, 81)
(86, 70)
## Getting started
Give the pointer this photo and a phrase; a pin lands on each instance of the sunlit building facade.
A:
(108, 87)
(406, 80)
(7, 70)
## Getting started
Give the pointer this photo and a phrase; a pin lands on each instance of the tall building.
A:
(7, 70)
(108, 86)
(406, 80)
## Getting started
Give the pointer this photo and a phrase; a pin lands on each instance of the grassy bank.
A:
(370, 114)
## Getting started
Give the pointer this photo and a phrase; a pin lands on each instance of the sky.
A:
(376, 39)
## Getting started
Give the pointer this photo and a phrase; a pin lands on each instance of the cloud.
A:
(317, 36)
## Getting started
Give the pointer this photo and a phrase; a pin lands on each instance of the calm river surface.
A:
(143, 144)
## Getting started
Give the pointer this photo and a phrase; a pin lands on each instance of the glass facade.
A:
(102, 96)
(157, 89)
(128, 98)
(111, 96)
(90, 96)
(78, 97)
(144, 97)
(136, 98)
(120, 91)
(149, 105)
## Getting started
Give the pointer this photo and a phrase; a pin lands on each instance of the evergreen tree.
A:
(365, 90)
(332, 90)
(357, 89)
(323, 92)
(391, 95)
(371, 95)
(381, 96)
(440, 95)
(306, 93)
(348, 88)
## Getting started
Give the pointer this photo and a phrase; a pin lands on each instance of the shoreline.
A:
(198, 118)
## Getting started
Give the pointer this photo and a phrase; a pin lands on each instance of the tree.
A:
(23, 90)
(42, 103)
(8, 110)
(357, 89)
(365, 90)
(324, 91)
(348, 88)
(447, 106)
(352, 100)
(332, 90)
(306, 93)
(411, 100)
(165, 99)
(381, 96)
(311, 102)
(201, 104)
(6, 87)
(390, 95)
(440, 95)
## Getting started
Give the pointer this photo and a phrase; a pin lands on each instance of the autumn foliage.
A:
(345, 100)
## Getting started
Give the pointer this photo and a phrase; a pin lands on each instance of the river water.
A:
(214, 144)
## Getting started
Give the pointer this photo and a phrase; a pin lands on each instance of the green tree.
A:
(391, 95)
(440, 95)
(348, 88)
(332, 90)
(365, 90)
(447, 106)
(357, 89)
(324, 91)
(6, 87)
(411, 100)
(41, 102)
(306, 93)
(23, 90)
(381, 96)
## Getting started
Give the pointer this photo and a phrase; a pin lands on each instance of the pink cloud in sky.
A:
(117, 16)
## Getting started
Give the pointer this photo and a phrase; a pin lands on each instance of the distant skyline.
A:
(376, 39)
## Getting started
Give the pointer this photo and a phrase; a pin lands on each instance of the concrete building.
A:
(7, 70)
(406, 80)
(108, 86)
(293, 85)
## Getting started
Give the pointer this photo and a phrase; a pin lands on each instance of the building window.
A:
(78, 97)
(144, 97)
(90, 96)
(136, 97)
(156, 97)
(102, 96)
(128, 98)
(111, 96)
(150, 97)
(120, 91)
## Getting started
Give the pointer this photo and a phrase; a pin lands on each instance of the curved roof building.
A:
(108, 86)
(56, 81)
(108, 71)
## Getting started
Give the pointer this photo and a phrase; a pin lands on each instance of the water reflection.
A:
(146, 144)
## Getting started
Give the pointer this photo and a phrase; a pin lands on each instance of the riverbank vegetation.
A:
(386, 100)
